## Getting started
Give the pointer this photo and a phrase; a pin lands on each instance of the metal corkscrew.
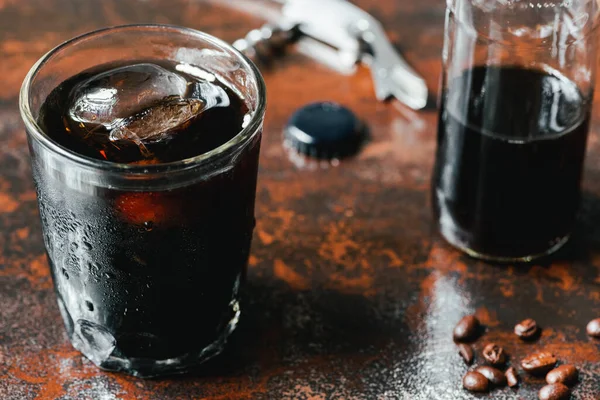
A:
(340, 35)
(263, 43)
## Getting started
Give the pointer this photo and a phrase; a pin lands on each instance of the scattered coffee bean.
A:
(466, 352)
(565, 374)
(511, 377)
(527, 329)
(556, 391)
(466, 329)
(475, 382)
(494, 354)
(593, 328)
(495, 376)
(539, 363)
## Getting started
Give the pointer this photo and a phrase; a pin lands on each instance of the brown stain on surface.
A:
(38, 273)
(264, 237)
(22, 233)
(361, 284)
(337, 244)
(487, 317)
(7, 203)
(289, 276)
(395, 260)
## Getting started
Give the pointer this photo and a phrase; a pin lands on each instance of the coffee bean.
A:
(539, 363)
(495, 376)
(511, 377)
(556, 391)
(466, 352)
(527, 329)
(466, 329)
(593, 328)
(565, 374)
(475, 382)
(494, 354)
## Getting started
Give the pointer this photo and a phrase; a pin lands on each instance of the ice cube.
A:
(142, 103)
(156, 123)
(122, 92)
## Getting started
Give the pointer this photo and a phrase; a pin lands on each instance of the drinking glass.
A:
(147, 260)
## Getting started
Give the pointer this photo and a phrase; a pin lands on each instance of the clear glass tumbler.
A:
(147, 260)
(516, 98)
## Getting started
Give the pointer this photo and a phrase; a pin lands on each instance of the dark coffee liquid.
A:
(149, 275)
(200, 134)
(511, 145)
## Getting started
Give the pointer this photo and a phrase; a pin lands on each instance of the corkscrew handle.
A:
(341, 35)
(263, 43)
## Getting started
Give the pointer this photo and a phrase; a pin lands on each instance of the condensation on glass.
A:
(147, 259)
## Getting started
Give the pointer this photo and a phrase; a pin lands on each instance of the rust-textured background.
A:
(351, 294)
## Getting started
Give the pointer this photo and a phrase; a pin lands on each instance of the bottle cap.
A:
(324, 130)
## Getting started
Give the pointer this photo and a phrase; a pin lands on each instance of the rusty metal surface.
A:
(351, 293)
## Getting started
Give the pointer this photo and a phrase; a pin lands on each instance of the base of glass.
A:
(453, 238)
(151, 368)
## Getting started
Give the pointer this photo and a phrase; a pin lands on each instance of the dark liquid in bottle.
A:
(511, 145)
(148, 275)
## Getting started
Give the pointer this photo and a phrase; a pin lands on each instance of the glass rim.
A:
(243, 136)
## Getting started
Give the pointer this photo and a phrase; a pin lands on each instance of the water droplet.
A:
(87, 245)
(65, 273)
(148, 226)
(89, 305)
(108, 275)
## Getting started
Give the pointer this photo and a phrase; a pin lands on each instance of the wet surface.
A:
(351, 294)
